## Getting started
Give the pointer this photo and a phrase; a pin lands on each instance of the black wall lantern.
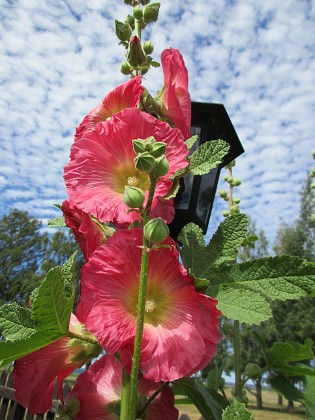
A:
(195, 198)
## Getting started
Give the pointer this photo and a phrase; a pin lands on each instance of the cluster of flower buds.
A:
(151, 156)
(138, 58)
(233, 202)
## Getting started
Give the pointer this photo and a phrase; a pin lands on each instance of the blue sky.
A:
(60, 58)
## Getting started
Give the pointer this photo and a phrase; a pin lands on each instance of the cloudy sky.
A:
(59, 58)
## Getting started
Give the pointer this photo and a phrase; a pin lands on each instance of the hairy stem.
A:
(124, 407)
(141, 306)
(237, 360)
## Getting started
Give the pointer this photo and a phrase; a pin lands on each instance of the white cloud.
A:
(59, 59)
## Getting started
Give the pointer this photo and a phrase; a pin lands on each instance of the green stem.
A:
(237, 360)
(140, 307)
(83, 338)
(124, 407)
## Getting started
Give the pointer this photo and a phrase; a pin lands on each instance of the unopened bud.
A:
(145, 162)
(144, 2)
(148, 47)
(252, 370)
(135, 55)
(222, 193)
(313, 185)
(236, 182)
(226, 213)
(157, 149)
(156, 230)
(312, 173)
(125, 68)
(137, 12)
(122, 30)
(133, 197)
(151, 12)
(131, 21)
(229, 179)
(139, 145)
(161, 166)
(236, 201)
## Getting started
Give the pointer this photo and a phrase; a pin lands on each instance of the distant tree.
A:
(22, 247)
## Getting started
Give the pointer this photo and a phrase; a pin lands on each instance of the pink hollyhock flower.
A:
(89, 233)
(97, 392)
(126, 95)
(102, 164)
(34, 375)
(181, 325)
(176, 104)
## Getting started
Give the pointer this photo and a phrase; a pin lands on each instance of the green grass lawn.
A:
(271, 409)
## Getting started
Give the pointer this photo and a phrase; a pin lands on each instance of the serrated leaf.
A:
(208, 156)
(57, 222)
(191, 141)
(237, 410)
(16, 322)
(173, 190)
(69, 268)
(223, 247)
(209, 404)
(281, 278)
(243, 305)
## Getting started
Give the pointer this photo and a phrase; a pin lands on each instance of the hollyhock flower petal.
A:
(102, 164)
(34, 375)
(181, 325)
(99, 389)
(126, 95)
(175, 97)
(89, 234)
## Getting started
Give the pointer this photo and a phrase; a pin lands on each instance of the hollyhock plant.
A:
(175, 98)
(97, 392)
(126, 95)
(102, 165)
(90, 234)
(180, 325)
(34, 375)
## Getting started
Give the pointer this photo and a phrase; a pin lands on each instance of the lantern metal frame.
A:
(195, 198)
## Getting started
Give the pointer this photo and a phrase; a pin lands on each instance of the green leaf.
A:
(208, 156)
(16, 322)
(50, 315)
(308, 397)
(243, 305)
(282, 278)
(191, 141)
(237, 411)
(286, 388)
(223, 247)
(209, 404)
(280, 354)
(57, 222)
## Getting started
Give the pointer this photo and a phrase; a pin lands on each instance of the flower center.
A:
(150, 306)
(133, 181)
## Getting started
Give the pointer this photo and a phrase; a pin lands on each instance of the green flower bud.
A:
(157, 149)
(236, 182)
(148, 47)
(313, 218)
(252, 370)
(222, 193)
(151, 12)
(313, 154)
(137, 12)
(229, 179)
(144, 2)
(236, 201)
(139, 145)
(161, 166)
(226, 213)
(125, 68)
(156, 230)
(313, 185)
(122, 30)
(131, 21)
(145, 162)
(133, 197)
(312, 173)
(135, 54)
